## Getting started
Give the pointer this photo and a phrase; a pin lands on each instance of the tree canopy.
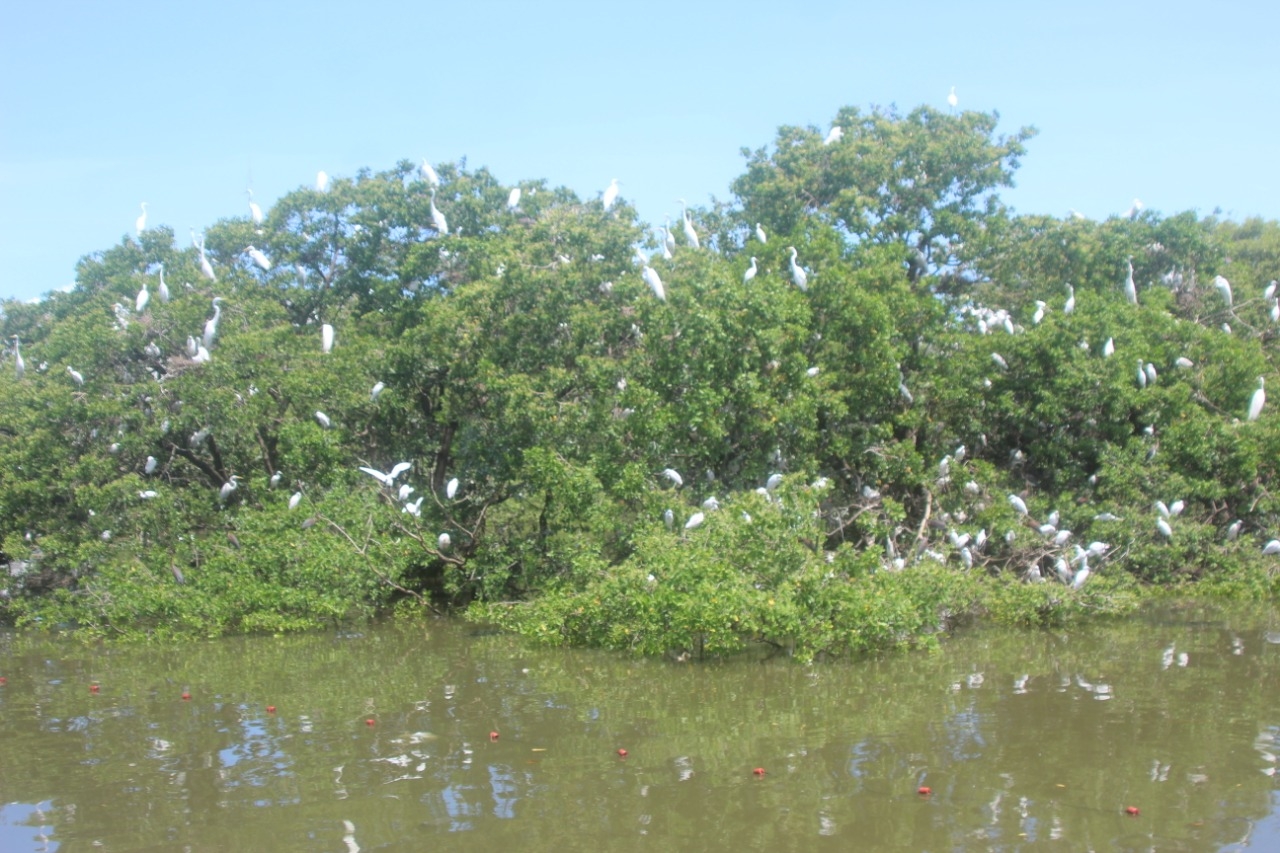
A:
(845, 456)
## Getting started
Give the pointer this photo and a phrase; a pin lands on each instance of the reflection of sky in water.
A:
(26, 826)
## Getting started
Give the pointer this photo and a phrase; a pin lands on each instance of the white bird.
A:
(144, 296)
(294, 500)
(438, 221)
(1185, 363)
(323, 419)
(999, 361)
(255, 212)
(443, 541)
(150, 467)
(451, 489)
(1070, 305)
(1109, 348)
(670, 239)
(1061, 538)
(415, 508)
(1176, 508)
(376, 390)
(1039, 315)
(259, 258)
(275, 480)
(1097, 549)
(211, 327)
(1019, 506)
(1233, 531)
(812, 372)
(1142, 375)
(206, 268)
(429, 174)
(405, 491)
(1130, 289)
(773, 482)
(19, 366)
(1162, 509)
(610, 194)
(711, 504)
(1224, 289)
(834, 135)
(163, 290)
(1257, 401)
(76, 376)
(952, 100)
(322, 181)
(1134, 209)
(148, 494)
(227, 488)
(694, 520)
(387, 479)
(689, 233)
(1272, 547)
(760, 235)
(1082, 575)
(513, 199)
(140, 224)
(1165, 530)
(798, 275)
(674, 476)
(326, 338)
(750, 273)
(1151, 373)
(665, 236)
(202, 355)
(650, 276)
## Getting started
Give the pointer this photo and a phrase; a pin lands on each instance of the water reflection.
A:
(399, 736)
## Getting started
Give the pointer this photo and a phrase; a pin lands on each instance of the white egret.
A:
(1063, 570)
(670, 238)
(19, 366)
(163, 290)
(610, 194)
(650, 276)
(689, 234)
(323, 419)
(1061, 537)
(1130, 289)
(750, 273)
(148, 494)
(1134, 209)
(834, 135)
(415, 508)
(387, 479)
(206, 268)
(1151, 373)
(773, 482)
(1185, 363)
(451, 490)
(999, 361)
(1270, 291)
(429, 174)
(694, 521)
(1176, 508)
(666, 238)
(1165, 530)
(668, 519)
(275, 480)
(443, 541)
(76, 376)
(1257, 401)
(812, 372)
(326, 338)
(259, 258)
(227, 489)
(294, 500)
(1224, 289)
(144, 296)
(322, 181)
(1162, 509)
(1233, 531)
(438, 221)
(1107, 516)
(255, 212)
(711, 504)
(140, 224)
(760, 235)
(674, 476)
(1142, 375)
(150, 467)
(211, 327)
(1109, 348)
(1082, 575)
(1019, 506)
(798, 275)
(376, 390)
(202, 355)
(405, 491)
(1037, 317)
(1272, 547)
(513, 199)
(952, 100)
(1070, 304)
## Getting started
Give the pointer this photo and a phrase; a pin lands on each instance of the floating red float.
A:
(1131, 811)
(924, 790)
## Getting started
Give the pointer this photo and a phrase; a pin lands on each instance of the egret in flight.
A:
(389, 478)
(1256, 402)
(140, 224)
(798, 274)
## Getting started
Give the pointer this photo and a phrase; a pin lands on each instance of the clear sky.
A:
(185, 105)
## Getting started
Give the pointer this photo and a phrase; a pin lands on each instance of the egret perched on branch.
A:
(1019, 506)
(326, 338)
(322, 181)
(689, 233)
(388, 479)
(610, 194)
(211, 327)
(750, 273)
(952, 100)
(144, 296)
(670, 239)
(674, 476)
(650, 276)
(668, 242)
(1165, 530)
(695, 520)
(429, 174)
(294, 500)
(451, 490)
(323, 419)
(19, 366)
(834, 135)
(376, 390)
(227, 488)
(513, 199)
(798, 275)
(1109, 348)
(760, 235)
(1070, 305)
(1272, 547)
(206, 268)
(1130, 289)
(443, 541)
(259, 258)
(1257, 401)
(163, 290)
(438, 221)
(1134, 209)
(140, 224)
(1224, 289)
(999, 361)
(150, 467)
(255, 212)
(76, 376)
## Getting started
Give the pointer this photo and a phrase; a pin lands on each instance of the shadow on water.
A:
(396, 736)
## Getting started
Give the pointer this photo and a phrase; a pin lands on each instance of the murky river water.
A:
(404, 738)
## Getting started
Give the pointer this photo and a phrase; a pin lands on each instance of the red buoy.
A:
(759, 771)
(3, 681)
(369, 722)
(924, 790)
(1131, 811)
(93, 688)
(622, 753)
(271, 709)
(186, 697)
(493, 735)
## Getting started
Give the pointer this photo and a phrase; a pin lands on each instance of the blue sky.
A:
(184, 105)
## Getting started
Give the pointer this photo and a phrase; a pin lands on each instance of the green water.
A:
(1027, 740)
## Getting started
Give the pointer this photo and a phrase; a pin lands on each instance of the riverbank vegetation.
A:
(868, 401)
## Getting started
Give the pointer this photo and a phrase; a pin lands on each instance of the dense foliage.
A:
(850, 446)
